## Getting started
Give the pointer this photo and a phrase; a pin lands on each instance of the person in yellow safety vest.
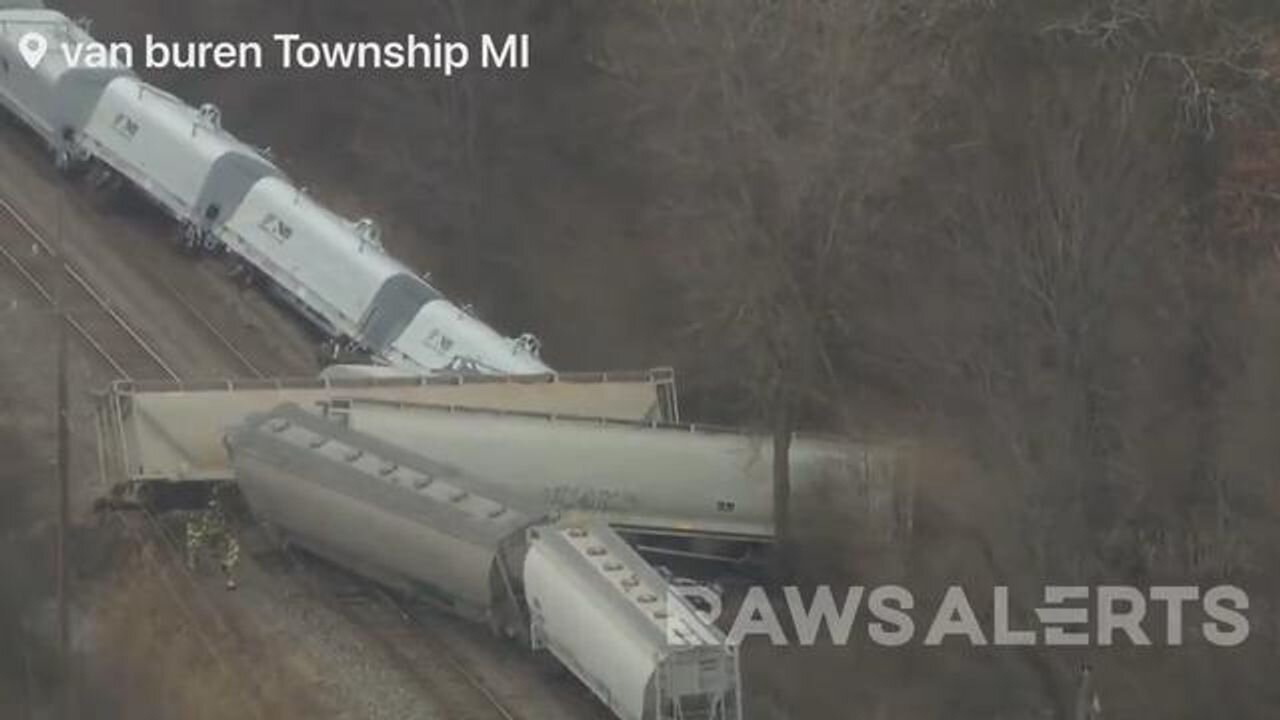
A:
(210, 531)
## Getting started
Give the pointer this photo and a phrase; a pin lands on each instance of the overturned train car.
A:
(614, 622)
(571, 587)
(413, 524)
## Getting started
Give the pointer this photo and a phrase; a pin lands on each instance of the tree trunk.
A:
(1202, 361)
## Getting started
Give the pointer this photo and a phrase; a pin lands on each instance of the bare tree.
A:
(780, 129)
(1001, 216)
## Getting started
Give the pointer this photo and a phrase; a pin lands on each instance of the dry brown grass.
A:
(162, 652)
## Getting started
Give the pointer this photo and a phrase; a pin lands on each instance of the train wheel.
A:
(250, 276)
(105, 187)
(190, 239)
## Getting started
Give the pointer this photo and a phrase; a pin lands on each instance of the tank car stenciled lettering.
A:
(126, 126)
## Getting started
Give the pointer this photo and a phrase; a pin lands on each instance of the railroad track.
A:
(219, 337)
(396, 629)
(152, 540)
(88, 313)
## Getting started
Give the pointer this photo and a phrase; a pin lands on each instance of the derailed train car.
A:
(409, 522)
(649, 477)
(610, 618)
(156, 433)
(336, 272)
(573, 588)
(179, 156)
(53, 99)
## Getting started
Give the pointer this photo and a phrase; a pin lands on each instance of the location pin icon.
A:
(33, 47)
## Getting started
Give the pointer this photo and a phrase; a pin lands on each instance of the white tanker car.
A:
(225, 194)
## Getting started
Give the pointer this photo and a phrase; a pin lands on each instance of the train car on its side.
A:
(618, 626)
(413, 524)
(567, 586)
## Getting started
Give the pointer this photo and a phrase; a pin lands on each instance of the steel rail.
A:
(50, 298)
(75, 325)
(217, 334)
(337, 594)
(449, 658)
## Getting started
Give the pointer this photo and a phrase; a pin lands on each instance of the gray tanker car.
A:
(568, 586)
